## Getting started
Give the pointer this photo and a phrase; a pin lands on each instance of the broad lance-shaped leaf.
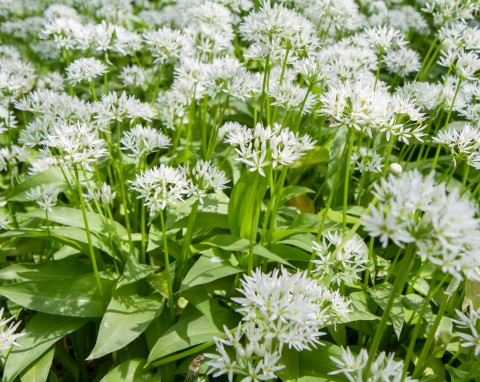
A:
(52, 176)
(245, 202)
(71, 236)
(134, 271)
(73, 296)
(127, 317)
(193, 330)
(47, 270)
(73, 217)
(42, 331)
(39, 370)
(128, 371)
(381, 294)
(207, 269)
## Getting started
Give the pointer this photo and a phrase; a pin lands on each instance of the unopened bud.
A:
(395, 169)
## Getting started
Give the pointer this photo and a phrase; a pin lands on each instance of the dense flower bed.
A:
(239, 190)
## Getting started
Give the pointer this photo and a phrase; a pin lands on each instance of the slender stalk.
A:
(186, 245)
(87, 230)
(387, 156)
(434, 164)
(347, 180)
(418, 325)
(93, 91)
(377, 74)
(156, 86)
(167, 266)
(253, 228)
(276, 202)
(426, 58)
(324, 217)
(430, 337)
(466, 169)
(397, 287)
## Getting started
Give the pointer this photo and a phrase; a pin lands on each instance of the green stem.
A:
(426, 58)
(430, 338)
(87, 230)
(418, 325)
(396, 288)
(276, 203)
(387, 156)
(447, 121)
(377, 74)
(186, 245)
(326, 210)
(143, 245)
(93, 91)
(157, 84)
(167, 266)
(466, 169)
(347, 180)
(254, 226)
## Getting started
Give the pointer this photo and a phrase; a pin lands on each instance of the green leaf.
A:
(337, 216)
(287, 252)
(227, 242)
(362, 305)
(73, 296)
(128, 371)
(202, 301)
(443, 336)
(134, 271)
(71, 236)
(380, 294)
(42, 331)
(128, 314)
(291, 362)
(245, 202)
(260, 250)
(195, 329)
(47, 270)
(290, 192)
(73, 217)
(317, 362)
(300, 240)
(51, 176)
(466, 372)
(207, 269)
(39, 371)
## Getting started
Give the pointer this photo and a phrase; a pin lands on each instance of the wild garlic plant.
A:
(268, 189)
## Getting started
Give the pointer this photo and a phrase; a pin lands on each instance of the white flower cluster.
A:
(469, 322)
(204, 176)
(367, 160)
(412, 209)
(463, 143)
(45, 196)
(362, 107)
(74, 144)
(114, 108)
(341, 266)
(290, 308)
(257, 360)
(85, 69)
(161, 186)
(17, 76)
(383, 368)
(8, 337)
(276, 31)
(266, 146)
(279, 309)
(142, 141)
(103, 194)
